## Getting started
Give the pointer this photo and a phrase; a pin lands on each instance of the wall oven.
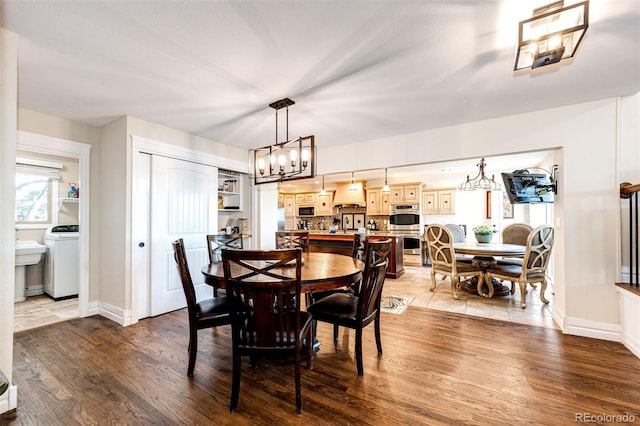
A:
(404, 219)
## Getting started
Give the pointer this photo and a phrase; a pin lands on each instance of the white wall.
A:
(585, 262)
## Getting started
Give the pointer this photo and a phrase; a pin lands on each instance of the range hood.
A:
(345, 196)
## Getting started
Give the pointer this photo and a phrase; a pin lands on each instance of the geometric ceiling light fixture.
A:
(480, 181)
(552, 34)
(287, 160)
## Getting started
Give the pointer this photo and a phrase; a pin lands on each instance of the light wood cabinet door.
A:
(289, 205)
(438, 201)
(373, 201)
(446, 201)
(396, 194)
(384, 203)
(430, 202)
(324, 204)
(411, 193)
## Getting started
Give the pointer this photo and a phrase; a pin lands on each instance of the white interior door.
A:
(183, 205)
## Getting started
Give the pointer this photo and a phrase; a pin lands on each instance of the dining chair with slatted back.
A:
(218, 242)
(293, 239)
(357, 311)
(534, 264)
(206, 313)
(443, 258)
(264, 287)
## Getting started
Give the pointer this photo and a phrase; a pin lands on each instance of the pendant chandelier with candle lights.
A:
(288, 160)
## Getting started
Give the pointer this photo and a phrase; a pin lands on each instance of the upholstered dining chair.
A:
(266, 318)
(444, 261)
(218, 242)
(356, 311)
(206, 313)
(534, 264)
(457, 232)
(516, 233)
(292, 239)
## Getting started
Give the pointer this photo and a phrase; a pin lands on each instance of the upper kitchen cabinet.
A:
(377, 202)
(438, 201)
(407, 193)
(229, 191)
(306, 199)
(324, 204)
(289, 205)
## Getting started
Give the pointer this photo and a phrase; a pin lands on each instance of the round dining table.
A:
(484, 256)
(320, 271)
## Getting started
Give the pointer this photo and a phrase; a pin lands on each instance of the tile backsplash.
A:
(320, 222)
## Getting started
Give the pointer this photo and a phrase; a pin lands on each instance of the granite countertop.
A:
(351, 232)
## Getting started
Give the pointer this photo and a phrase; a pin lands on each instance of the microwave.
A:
(306, 211)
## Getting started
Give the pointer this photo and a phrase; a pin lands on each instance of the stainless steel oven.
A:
(404, 219)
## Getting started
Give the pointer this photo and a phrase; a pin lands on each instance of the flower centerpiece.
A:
(483, 233)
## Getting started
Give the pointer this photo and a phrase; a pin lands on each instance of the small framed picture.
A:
(507, 208)
(347, 221)
(488, 204)
(358, 221)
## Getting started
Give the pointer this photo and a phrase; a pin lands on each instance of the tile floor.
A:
(416, 283)
(41, 310)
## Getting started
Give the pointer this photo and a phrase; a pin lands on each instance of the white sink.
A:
(28, 252)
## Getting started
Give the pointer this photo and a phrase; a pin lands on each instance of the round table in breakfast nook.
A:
(320, 271)
(484, 257)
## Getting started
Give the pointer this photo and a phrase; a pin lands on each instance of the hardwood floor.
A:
(437, 368)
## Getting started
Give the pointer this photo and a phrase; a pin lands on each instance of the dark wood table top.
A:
(490, 249)
(320, 271)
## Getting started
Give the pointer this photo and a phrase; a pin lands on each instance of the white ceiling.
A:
(357, 70)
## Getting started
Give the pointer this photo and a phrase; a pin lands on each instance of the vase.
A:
(484, 238)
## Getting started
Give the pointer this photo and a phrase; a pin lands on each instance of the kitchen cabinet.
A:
(229, 191)
(324, 204)
(289, 205)
(377, 202)
(306, 199)
(407, 193)
(438, 201)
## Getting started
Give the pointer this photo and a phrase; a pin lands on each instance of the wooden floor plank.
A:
(437, 368)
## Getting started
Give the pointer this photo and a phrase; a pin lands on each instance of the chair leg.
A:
(433, 280)
(309, 348)
(359, 351)
(335, 334)
(523, 294)
(297, 380)
(235, 383)
(542, 290)
(455, 282)
(192, 350)
(376, 326)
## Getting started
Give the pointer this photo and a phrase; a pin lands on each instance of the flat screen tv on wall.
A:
(523, 187)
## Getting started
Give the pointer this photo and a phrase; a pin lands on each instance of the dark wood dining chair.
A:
(534, 264)
(218, 242)
(357, 311)
(207, 313)
(444, 260)
(264, 287)
(293, 239)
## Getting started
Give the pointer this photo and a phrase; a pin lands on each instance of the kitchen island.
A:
(342, 243)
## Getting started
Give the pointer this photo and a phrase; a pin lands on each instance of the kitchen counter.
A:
(342, 243)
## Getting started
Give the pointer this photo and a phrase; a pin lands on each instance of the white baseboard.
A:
(593, 329)
(113, 313)
(630, 320)
(34, 290)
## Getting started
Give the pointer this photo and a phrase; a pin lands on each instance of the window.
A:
(33, 198)
(36, 190)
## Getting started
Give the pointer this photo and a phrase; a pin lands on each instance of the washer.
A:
(61, 269)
